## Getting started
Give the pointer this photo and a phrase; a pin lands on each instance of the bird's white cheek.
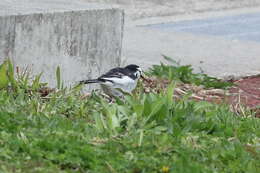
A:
(138, 74)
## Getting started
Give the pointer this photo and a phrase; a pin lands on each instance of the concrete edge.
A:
(62, 11)
(229, 77)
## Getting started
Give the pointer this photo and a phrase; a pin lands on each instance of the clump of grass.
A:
(145, 133)
(185, 74)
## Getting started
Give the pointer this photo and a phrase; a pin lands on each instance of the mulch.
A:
(249, 90)
(244, 95)
(248, 93)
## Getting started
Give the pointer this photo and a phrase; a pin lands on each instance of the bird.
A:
(118, 81)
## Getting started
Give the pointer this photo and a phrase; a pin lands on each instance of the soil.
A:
(244, 95)
(248, 93)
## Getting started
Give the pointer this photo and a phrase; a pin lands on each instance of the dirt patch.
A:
(245, 94)
(249, 91)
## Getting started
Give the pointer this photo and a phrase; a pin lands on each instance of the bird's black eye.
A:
(137, 74)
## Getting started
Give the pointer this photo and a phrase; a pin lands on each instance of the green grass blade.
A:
(58, 77)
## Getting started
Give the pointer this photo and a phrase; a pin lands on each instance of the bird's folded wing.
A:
(115, 73)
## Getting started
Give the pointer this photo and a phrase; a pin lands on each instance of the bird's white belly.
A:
(125, 83)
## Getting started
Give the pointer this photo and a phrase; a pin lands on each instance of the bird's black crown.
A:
(132, 67)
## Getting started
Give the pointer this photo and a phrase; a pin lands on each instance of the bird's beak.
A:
(143, 77)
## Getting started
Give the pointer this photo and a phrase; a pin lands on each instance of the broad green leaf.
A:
(11, 73)
(156, 106)
(4, 80)
(58, 77)
(162, 113)
(132, 120)
(147, 106)
(169, 94)
(138, 108)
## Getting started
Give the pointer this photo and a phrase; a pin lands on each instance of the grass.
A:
(185, 74)
(145, 133)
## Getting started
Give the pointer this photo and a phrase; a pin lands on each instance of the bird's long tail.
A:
(89, 81)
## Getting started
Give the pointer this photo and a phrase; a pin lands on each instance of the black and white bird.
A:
(118, 81)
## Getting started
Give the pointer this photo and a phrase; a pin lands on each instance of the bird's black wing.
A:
(115, 73)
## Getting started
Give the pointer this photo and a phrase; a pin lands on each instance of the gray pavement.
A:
(222, 46)
(237, 27)
(138, 9)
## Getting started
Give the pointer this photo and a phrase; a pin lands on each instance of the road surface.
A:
(228, 45)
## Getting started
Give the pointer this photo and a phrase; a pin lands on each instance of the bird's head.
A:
(136, 69)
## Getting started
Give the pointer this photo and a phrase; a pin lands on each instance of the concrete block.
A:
(84, 39)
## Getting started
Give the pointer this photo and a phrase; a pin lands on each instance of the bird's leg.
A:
(107, 97)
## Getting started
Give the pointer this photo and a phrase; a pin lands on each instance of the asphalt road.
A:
(239, 27)
(221, 46)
